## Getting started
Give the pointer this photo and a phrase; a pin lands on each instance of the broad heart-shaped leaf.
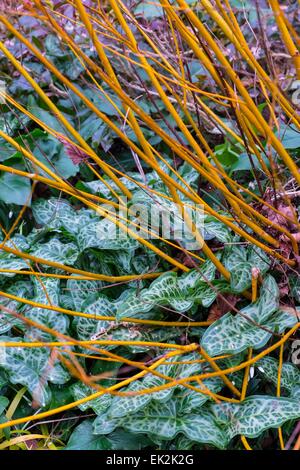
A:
(46, 292)
(81, 291)
(20, 289)
(105, 235)
(163, 421)
(98, 405)
(233, 334)
(180, 293)
(55, 250)
(55, 213)
(32, 367)
(83, 438)
(240, 260)
(214, 424)
(10, 261)
(290, 374)
(88, 328)
(190, 400)
(15, 189)
(255, 414)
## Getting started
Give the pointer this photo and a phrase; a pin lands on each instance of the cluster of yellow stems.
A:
(172, 85)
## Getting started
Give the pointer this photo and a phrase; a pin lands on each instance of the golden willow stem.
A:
(76, 403)
(141, 374)
(137, 129)
(216, 368)
(286, 37)
(237, 38)
(245, 219)
(257, 118)
(173, 111)
(101, 317)
(63, 120)
(78, 278)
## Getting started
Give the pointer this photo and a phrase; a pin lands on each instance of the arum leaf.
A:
(233, 334)
(98, 405)
(255, 414)
(290, 374)
(240, 261)
(31, 367)
(55, 250)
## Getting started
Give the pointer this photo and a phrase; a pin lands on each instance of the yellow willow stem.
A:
(245, 442)
(241, 45)
(246, 377)
(51, 344)
(170, 107)
(101, 317)
(138, 131)
(141, 374)
(278, 391)
(76, 403)
(128, 142)
(74, 342)
(198, 237)
(214, 366)
(78, 278)
(239, 85)
(286, 37)
(62, 119)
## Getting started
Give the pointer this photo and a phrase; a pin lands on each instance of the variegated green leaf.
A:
(31, 367)
(290, 374)
(240, 260)
(255, 414)
(233, 334)
(98, 405)
(47, 293)
(55, 250)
